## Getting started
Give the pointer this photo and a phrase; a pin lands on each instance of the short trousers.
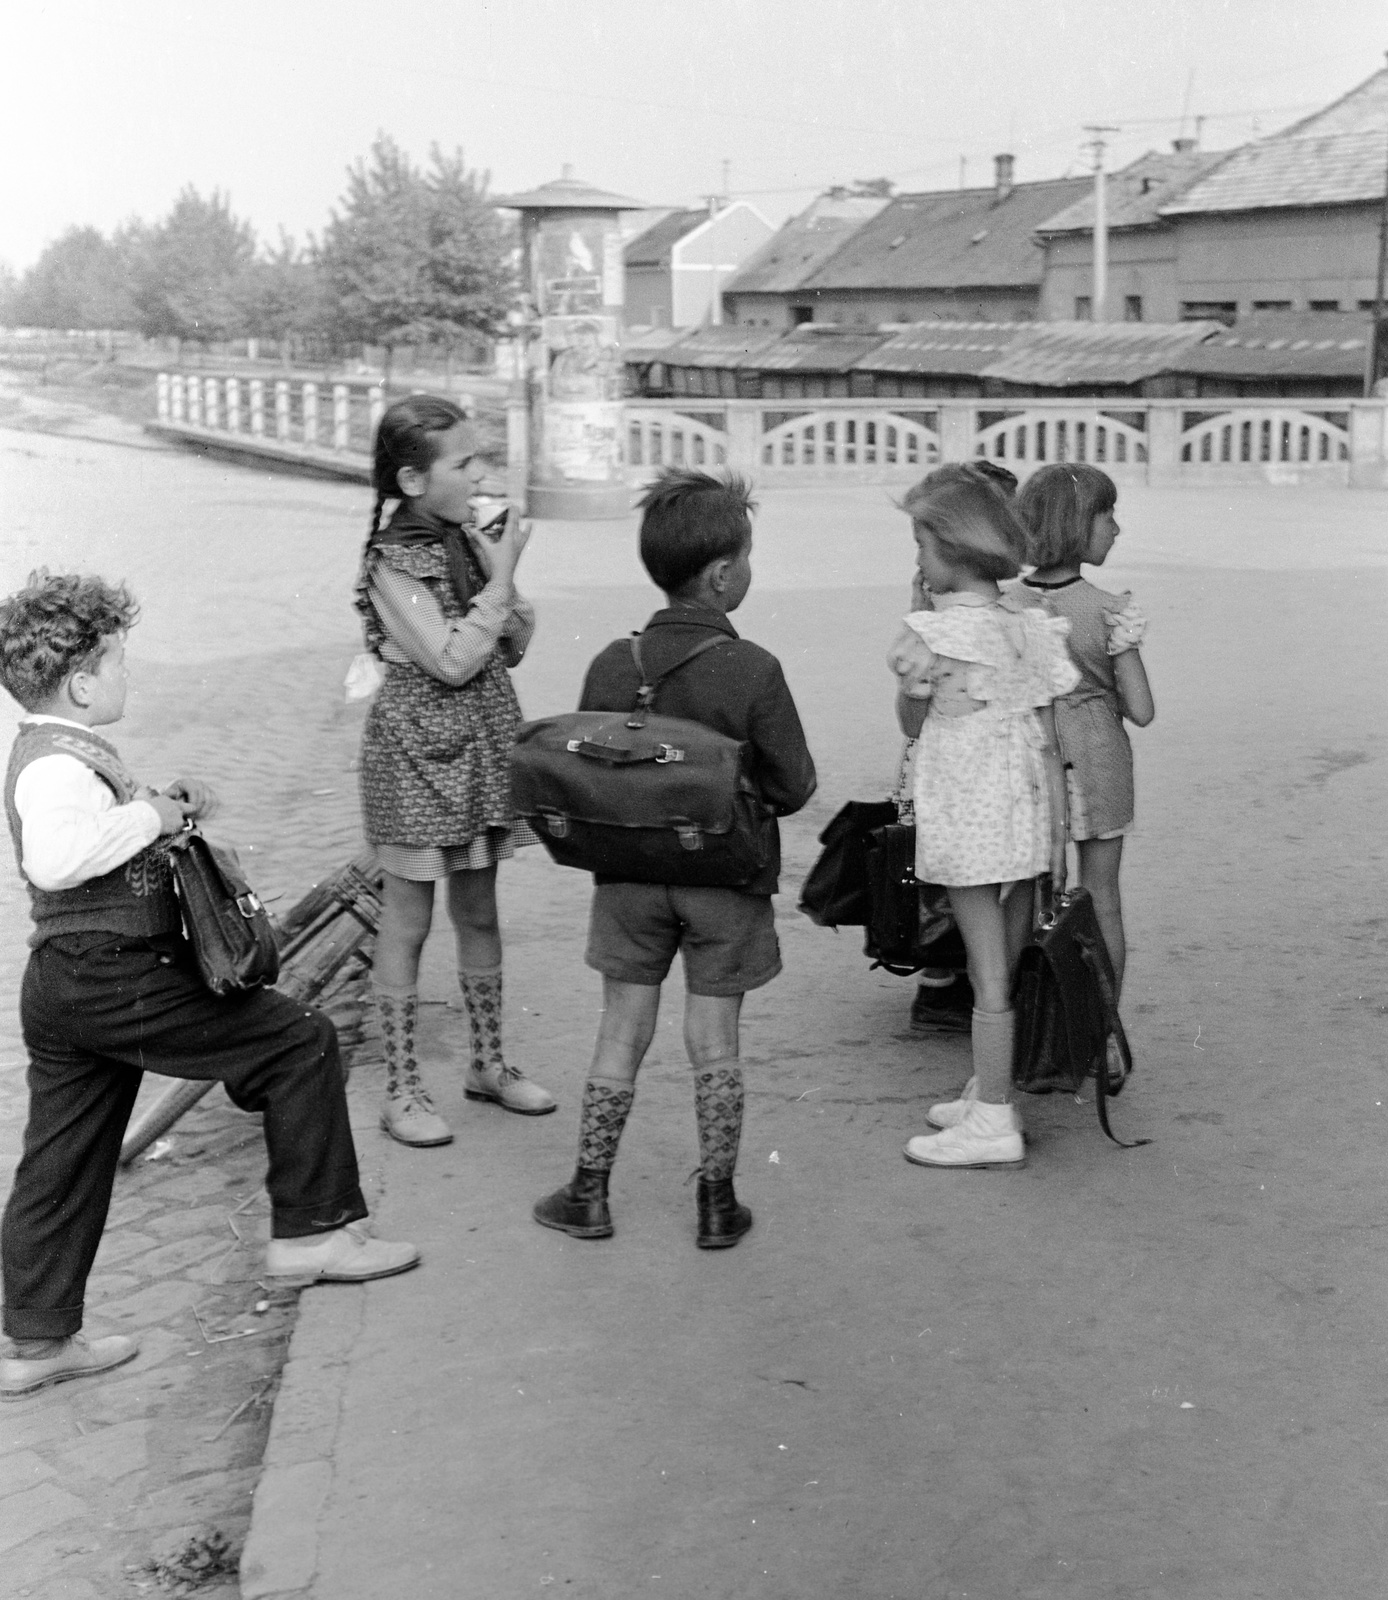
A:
(728, 939)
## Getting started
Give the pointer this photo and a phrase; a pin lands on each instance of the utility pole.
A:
(1099, 295)
(1378, 337)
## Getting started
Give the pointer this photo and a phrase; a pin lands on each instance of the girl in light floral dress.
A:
(1068, 514)
(976, 676)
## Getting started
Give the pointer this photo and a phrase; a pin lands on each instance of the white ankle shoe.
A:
(506, 1087)
(346, 1255)
(988, 1136)
(409, 1116)
(950, 1113)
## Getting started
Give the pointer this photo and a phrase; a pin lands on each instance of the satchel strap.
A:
(1114, 1030)
(645, 694)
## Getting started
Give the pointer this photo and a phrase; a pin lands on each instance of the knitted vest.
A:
(136, 898)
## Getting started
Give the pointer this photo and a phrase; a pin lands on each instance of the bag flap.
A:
(591, 767)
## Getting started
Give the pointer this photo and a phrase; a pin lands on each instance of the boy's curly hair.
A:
(55, 625)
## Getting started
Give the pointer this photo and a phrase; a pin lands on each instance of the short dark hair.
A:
(973, 525)
(56, 625)
(1058, 505)
(689, 518)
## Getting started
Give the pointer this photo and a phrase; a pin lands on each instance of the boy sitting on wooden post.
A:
(111, 990)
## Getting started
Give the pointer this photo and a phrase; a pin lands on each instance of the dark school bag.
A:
(910, 924)
(640, 797)
(836, 893)
(1065, 1007)
(230, 931)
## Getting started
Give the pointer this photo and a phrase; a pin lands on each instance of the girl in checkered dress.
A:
(443, 617)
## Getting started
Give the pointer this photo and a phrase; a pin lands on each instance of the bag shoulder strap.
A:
(1092, 960)
(645, 694)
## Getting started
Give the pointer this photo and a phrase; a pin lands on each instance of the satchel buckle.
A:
(574, 746)
(689, 836)
(249, 905)
(666, 753)
(557, 826)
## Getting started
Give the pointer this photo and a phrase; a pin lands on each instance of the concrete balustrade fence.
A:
(1160, 442)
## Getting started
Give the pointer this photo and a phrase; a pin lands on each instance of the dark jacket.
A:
(737, 689)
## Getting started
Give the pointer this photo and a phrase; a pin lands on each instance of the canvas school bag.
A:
(641, 797)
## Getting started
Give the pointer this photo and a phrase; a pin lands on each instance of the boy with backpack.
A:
(696, 544)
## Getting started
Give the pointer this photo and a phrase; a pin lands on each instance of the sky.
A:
(109, 107)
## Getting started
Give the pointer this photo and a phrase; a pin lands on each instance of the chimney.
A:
(1185, 146)
(567, 172)
(1002, 177)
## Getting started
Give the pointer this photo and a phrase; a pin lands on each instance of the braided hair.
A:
(408, 435)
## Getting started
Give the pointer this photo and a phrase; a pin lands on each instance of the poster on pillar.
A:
(582, 441)
(572, 264)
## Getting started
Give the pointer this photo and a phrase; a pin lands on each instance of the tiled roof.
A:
(652, 248)
(728, 345)
(1281, 344)
(944, 349)
(1059, 355)
(650, 343)
(807, 349)
(1332, 170)
(1133, 195)
(1334, 157)
(804, 244)
(950, 239)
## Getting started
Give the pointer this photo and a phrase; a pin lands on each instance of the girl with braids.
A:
(442, 613)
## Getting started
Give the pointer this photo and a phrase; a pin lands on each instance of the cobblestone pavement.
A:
(100, 1479)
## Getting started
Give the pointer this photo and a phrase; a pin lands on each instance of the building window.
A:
(1209, 311)
(1368, 305)
(1082, 304)
(1132, 308)
(801, 314)
(1322, 305)
(1272, 305)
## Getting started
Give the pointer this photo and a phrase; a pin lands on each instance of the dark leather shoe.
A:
(945, 1008)
(579, 1208)
(722, 1221)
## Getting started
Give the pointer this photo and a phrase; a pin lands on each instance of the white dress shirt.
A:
(72, 828)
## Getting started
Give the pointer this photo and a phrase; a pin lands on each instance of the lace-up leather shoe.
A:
(346, 1255)
(21, 1376)
(412, 1120)
(988, 1136)
(511, 1090)
(950, 1113)
(722, 1220)
(579, 1208)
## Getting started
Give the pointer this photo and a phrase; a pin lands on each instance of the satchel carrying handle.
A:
(645, 694)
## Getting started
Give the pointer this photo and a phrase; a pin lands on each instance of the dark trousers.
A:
(97, 1010)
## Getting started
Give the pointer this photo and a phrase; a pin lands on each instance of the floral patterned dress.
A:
(982, 805)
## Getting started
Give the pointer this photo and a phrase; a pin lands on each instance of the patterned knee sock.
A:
(606, 1103)
(482, 996)
(398, 1014)
(718, 1101)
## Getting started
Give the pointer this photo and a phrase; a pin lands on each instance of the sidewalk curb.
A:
(281, 1552)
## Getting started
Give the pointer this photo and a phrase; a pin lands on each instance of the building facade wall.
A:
(708, 257)
(1260, 259)
(867, 308)
(647, 298)
(1142, 268)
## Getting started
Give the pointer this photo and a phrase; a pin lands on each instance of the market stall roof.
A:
(1283, 344)
(729, 345)
(818, 348)
(946, 349)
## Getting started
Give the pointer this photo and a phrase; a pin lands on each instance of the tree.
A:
(282, 295)
(81, 280)
(191, 270)
(414, 258)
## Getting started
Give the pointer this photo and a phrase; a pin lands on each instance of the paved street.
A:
(1146, 1373)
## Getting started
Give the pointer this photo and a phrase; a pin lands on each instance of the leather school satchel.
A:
(231, 933)
(640, 797)
(910, 924)
(1065, 1008)
(835, 893)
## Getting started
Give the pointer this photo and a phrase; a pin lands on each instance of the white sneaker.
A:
(988, 1136)
(950, 1113)
(346, 1255)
